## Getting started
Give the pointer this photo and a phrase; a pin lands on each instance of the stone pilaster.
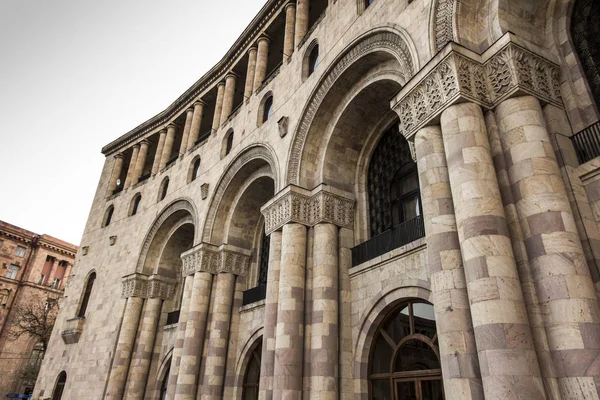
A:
(290, 29)
(346, 359)
(458, 352)
(196, 124)
(218, 106)
(162, 137)
(324, 328)
(228, 97)
(560, 273)
(250, 72)
(261, 61)
(132, 163)
(507, 358)
(168, 148)
(287, 380)
(140, 162)
(302, 12)
(189, 116)
(116, 173)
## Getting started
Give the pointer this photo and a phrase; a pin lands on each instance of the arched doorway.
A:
(165, 383)
(404, 362)
(252, 375)
(60, 386)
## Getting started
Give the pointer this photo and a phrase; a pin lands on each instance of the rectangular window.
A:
(1, 242)
(20, 251)
(56, 283)
(41, 281)
(12, 272)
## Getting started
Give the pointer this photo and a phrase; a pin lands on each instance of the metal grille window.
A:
(263, 267)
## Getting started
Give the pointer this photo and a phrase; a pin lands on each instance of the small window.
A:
(108, 216)
(20, 251)
(56, 283)
(194, 170)
(4, 294)
(135, 204)
(404, 196)
(368, 3)
(12, 272)
(268, 109)
(227, 144)
(41, 280)
(60, 386)
(164, 188)
(313, 59)
(86, 295)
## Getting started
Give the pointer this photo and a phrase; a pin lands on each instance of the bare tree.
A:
(34, 319)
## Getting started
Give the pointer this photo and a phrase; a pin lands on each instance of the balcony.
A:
(389, 240)
(587, 143)
(255, 294)
(72, 331)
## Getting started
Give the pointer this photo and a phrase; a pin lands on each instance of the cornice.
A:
(218, 72)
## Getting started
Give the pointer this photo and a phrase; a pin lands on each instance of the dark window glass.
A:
(268, 110)
(136, 205)
(229, 143)
(109, 215)
(263, 268)
(165, 383)
(86, 296)
(164, 189)
(313, 60)
(368, 3)
(404, 195)
(196, 169)
(60, 386)
(252, 377)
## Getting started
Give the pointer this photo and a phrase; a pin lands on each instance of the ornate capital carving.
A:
(214, 260)
(134, 285)
(144, 286)
(505, 70)
(309, 208)
(160, 287)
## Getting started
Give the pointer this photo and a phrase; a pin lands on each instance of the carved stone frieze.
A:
(144, 286)
(134, 285)
(308, 208)
(212, 259)
(160, 288)
(487, 80)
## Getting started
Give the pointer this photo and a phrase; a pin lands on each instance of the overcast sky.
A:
(76, 74)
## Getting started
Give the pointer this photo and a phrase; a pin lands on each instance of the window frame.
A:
(163, 189)
(86, 295)
(399, 202)
(135, 204)
(20, 251)
(108, 216)
(12, 269)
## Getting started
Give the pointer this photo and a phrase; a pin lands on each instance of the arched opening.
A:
(311, 60)
(165, 382)
(108, 215)
(60, 386)
(227, 143)
(252, 374)
(404, 362)
(585, 32)
(86, 295)
(163, 189)
(268, 109)
(135, 204)
(194, 171)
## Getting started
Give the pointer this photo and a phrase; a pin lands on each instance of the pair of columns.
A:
(304, 270)
(207, 269)
(135, 344)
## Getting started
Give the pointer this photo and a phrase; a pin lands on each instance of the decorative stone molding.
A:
(144, 286)
(212, 259)
(444, 26)
(283, 125)
(204, 191)
(309, 208)
(457, 74)
(73, 330)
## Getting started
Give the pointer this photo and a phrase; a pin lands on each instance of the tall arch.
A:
(374, 48)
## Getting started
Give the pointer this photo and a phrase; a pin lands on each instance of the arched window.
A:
(404, 361)
(164, 188)
(393, 184)
(86, 295)
(194, 169)
(135, 204)
(165, 383)
(227, 143)
(585, 32)
(263, 266)
(108, 215)
(368, 3)
(252, 376)
(268, 109)
(313, 59)
(60, 386)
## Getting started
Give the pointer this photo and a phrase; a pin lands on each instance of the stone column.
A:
(561, 276)
(159, 150)
(324, 328)
(287, 381)
(261, 61)
(302, 10)
(132, 163)
(186, 131)
(144, 347)
(267, 363)
(122, 357)
(218, 338)
(290, 28)
(180, 338)
(140, 162)
(230, 81)
(458, 352)
(187, 380)
(250, 72)
(218, 106)
(116, 173)
(507, 357)
(346, 359)
(196, 124)
(168, 148)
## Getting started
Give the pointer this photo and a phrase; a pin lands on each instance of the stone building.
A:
(385, 199)
(33, 269)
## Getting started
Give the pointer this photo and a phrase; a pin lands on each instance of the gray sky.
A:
(76, 74)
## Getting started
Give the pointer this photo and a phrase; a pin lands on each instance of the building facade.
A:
(384, 199)
(34, 269)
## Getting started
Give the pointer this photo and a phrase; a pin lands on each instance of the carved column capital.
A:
(159, 287)
(508, 68)
(323, 204)
(214, 260)
(134, 285)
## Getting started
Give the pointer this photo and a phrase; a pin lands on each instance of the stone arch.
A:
(250, 160)
(163, 368)
(181, 209)
(242, 361)
(372, 48)
(374, 314)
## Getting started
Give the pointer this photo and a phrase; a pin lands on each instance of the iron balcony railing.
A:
(389, 240)
(255, 294)
(173, 317)
(587, 143)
